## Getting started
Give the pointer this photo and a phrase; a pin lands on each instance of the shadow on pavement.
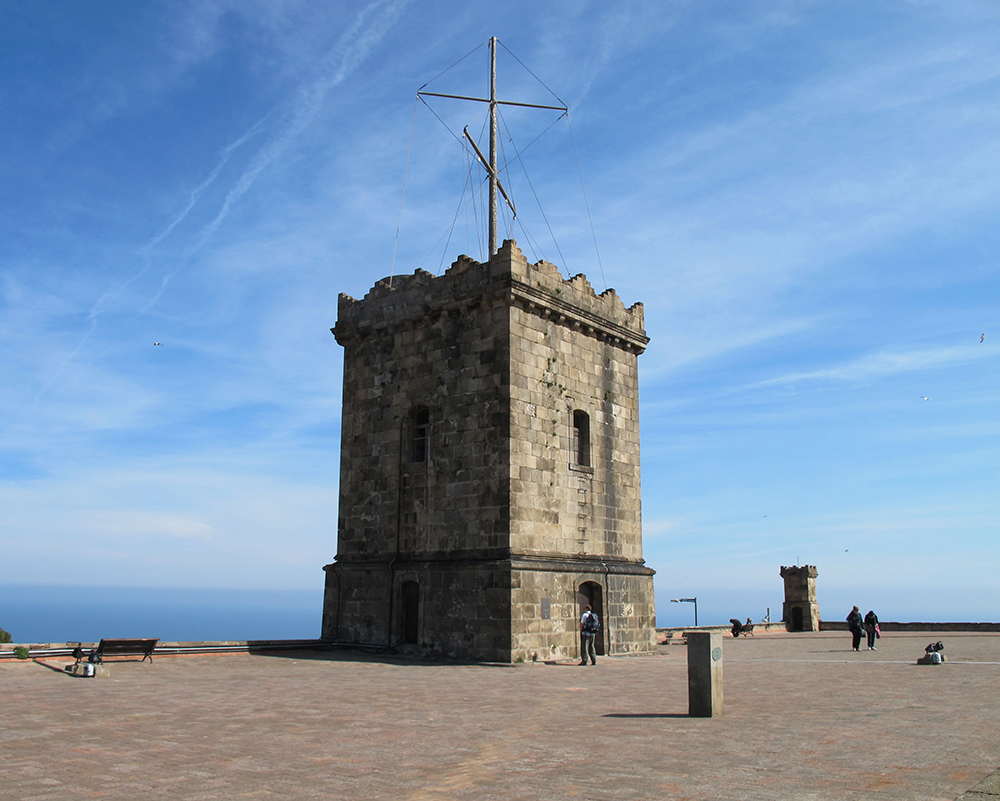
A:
(60, 669)
(646, 715)
(344, 653)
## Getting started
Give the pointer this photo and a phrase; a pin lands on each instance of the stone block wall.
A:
(463, 610)
(627, 613)
(461, 455)
(631, 613)
(558, 369)
(456, 497)
(356, 604)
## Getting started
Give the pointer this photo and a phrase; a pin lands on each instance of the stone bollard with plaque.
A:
(704, 673)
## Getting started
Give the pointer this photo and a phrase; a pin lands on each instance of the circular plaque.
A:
(716, 654)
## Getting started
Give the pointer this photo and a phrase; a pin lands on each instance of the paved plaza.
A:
(805, 718)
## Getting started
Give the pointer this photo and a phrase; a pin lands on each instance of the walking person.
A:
(856, 625)
(871, 629)
(589, 626)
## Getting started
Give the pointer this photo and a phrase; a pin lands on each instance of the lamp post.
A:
(688, 601)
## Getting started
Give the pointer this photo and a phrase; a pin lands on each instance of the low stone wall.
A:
(49, 649)
(841, 625)
(679, 631)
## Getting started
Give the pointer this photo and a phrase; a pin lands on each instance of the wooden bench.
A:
(746, 629)
(122, 647)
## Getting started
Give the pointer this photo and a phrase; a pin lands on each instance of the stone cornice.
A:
(544, 304)
(567, 563)
(581, 563)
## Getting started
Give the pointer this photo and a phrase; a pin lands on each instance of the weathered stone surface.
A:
(490, 462)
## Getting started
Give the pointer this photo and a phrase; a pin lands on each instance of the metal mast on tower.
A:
(491, 163)
(493, 145)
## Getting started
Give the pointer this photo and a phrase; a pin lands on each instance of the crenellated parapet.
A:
(803, 572)
(403, 301)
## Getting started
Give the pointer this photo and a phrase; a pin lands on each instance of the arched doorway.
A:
(590, 592)
(410, 592)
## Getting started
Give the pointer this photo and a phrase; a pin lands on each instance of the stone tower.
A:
(489, 473)
(800, 612)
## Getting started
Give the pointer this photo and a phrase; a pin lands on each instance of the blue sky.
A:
(804, 195)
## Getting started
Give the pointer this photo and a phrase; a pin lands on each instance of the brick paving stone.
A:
(805, 718)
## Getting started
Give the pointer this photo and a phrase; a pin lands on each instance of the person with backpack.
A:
(589, 626)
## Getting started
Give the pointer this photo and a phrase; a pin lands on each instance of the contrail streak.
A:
(100, 306)
(369, 27)
(345, 56)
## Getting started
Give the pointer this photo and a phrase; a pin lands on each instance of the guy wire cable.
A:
(406, 171)
(586, 203)
(533, 192)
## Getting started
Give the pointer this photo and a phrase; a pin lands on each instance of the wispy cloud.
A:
(147, 251)
(157, 516)
(878, 365)
(686, 342)
(846, 158)
(340, 62)
(117, 524)
(352, 47)
(128, 85)
(347, 54)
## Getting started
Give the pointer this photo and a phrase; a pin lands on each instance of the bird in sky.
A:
(924, 397)
(158, 343)
(982, 337)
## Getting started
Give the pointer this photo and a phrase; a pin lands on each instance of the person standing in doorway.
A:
(855, 624)
(871, 629)
(589, 626)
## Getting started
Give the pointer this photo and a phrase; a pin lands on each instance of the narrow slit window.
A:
(421, 434)
(581, 437)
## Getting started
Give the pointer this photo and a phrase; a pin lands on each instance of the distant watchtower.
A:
(800, 612)
(489, 473)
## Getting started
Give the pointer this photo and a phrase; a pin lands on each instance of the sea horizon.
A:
(43, 613)
(57, 613)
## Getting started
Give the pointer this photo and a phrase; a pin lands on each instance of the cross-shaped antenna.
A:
(491, 165)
